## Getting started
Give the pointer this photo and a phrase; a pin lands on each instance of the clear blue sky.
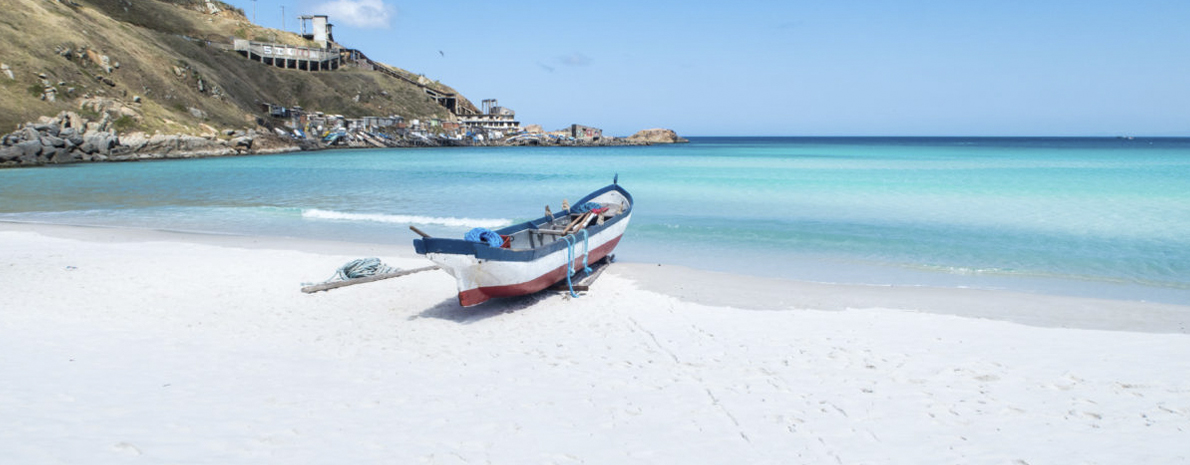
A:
(844, 67)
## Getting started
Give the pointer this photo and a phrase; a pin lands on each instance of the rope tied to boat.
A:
(570, 263)
(586, 251)
(571, 241)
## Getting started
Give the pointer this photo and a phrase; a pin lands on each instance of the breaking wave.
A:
(489, 223)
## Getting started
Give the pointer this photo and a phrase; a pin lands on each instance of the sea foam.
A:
(405, 219)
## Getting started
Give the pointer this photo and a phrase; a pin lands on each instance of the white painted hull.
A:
(479, 280)
(483, 272)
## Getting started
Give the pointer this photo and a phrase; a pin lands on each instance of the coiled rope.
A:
(360, 268)
(484, 235)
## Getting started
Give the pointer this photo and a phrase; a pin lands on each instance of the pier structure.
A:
(289, 56)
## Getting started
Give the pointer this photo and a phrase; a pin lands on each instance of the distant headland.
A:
(114, 80)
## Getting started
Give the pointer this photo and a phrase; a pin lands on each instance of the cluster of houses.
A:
(496, 126)
(384, 131)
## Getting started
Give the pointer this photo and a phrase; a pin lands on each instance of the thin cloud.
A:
(790, 25)
(359, 13)
(574, 59)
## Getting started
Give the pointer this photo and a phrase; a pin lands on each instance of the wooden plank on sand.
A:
(367, 279)
(583, 282)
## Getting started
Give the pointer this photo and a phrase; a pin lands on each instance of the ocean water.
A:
(1088, 217)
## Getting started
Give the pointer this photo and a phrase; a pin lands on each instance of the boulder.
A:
(58, 154)
(49, 127)
(72, 136)
(9, 154)
(29, 151)
(100, 142)
(53, 141)
(28, 133)
(193, 143)
(657, 136)
(242, 143)
(134, 142)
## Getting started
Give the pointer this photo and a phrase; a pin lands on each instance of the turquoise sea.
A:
(1088, 217)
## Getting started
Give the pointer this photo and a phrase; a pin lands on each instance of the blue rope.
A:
(572, 241)
(586, 251)
(483, 235)
(586, 207)
(570, 262)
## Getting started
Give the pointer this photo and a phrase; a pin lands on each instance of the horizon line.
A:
(952, 137)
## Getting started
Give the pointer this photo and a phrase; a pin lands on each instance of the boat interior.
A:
(546, 231)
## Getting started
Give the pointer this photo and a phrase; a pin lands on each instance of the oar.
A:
(419, 232)
(572, 223)
(578, 224)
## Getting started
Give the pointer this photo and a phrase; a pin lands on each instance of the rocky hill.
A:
(657, 136)
(91, 71)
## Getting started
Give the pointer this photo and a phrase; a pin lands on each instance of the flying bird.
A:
(440, 53)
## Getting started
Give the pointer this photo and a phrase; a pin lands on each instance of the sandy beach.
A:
(136, 346)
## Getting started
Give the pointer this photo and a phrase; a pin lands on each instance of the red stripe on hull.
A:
(480, 295)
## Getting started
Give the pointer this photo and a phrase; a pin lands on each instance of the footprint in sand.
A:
(125, 448)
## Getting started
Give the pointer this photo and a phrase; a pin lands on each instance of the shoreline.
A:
(722, 289)
(69, 138)
(219, 148)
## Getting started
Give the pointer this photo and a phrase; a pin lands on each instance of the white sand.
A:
(151, 347)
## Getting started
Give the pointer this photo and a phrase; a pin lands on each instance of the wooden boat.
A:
(535, 254)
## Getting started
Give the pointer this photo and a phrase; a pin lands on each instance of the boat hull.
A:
(480, 280)
(483, 272)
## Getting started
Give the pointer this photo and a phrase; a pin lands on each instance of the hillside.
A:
(157, 66)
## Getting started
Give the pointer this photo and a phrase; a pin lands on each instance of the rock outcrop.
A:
(139, 145)
(657, 136)
(71, 138)
(66, 138)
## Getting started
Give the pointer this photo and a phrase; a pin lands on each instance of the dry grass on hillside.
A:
(162, 56)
